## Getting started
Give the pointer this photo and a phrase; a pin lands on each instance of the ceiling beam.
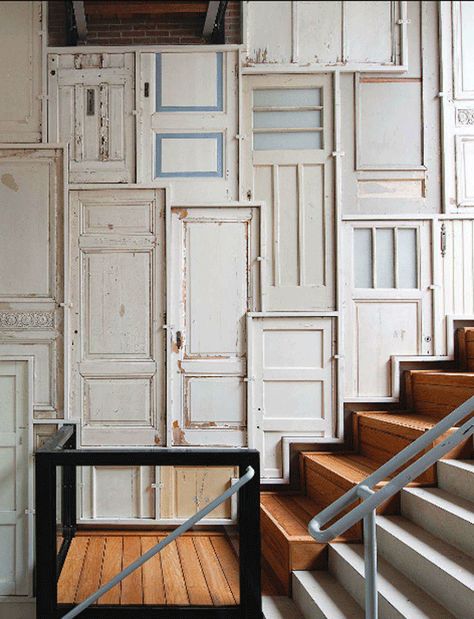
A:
(105, 9)
(80, 18)
(210, 21)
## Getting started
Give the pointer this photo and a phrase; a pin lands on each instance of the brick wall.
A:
(177, 29)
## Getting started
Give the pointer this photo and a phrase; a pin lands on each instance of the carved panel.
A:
(27, 320)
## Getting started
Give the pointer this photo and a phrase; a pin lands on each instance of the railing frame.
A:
(370, 499)
(60, 452)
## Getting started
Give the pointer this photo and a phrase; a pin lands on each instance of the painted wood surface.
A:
(356, 34)
(31, 267)
(189, 136)
(14, 398)
(21, 71)
(388, 301)
(296, 184)
(91, 108)
(291, 388)
(117, 336)
(212, 249)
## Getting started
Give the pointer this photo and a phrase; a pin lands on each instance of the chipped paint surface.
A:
(179, 437)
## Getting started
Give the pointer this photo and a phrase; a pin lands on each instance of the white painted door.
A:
(14, 465)
(388, 301)
(20, 71)
(213, 284)
(291, 387)
(288, 163)
(91, 104)
(117, 315)
(188, 124)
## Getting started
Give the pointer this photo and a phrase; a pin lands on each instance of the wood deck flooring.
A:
(200, 568)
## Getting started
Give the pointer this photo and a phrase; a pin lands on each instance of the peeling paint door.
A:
(213, 284)
(117, 315)
(91, 107)
(14, 477)
(288, 163)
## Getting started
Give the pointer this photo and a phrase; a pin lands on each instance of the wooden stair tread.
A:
(351, 467)
(291, 513)
(403, 419)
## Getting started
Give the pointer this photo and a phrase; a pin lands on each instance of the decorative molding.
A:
(27, 320)
(465, 117)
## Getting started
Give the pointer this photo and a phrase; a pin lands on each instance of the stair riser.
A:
(319, 596)
(437, 393)
(326, 486)
(306, 603)
(441, 523)
(456, 480)
(431, 577)
(275, 549)
(354, 583)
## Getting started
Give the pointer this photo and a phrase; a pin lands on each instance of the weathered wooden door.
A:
(91, 103)
(213, 284)
(14, 477)
(288, 163)
(117, 315)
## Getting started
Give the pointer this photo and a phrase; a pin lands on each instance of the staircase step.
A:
(286, 543)
(441, 570)
(457, 477)
(329, 476)
(465, 341)
(320, 596)
(399, 598)
(439, 393)
(280, 607)
(380, 435)
(447, 516)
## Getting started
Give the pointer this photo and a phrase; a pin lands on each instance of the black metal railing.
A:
(60, 452)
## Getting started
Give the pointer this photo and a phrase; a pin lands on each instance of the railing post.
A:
(68, 494)
(370, 556)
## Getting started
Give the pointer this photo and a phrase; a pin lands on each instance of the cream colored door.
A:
(287, 162)
(14, 575)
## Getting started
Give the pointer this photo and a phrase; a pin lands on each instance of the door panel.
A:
(117, 262)
(388, 301)
(214, 282)
(288, 163)
(14, 572)
(20, 71)
(291, 387)
(91, 107)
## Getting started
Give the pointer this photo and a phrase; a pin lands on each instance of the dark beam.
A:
(106, 9)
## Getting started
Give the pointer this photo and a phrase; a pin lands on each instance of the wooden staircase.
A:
(378, 435)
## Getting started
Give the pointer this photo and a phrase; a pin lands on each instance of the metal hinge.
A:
(338, 153)
(443, 240)
(400, 22)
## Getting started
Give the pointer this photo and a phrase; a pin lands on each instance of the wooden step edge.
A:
(283, 531)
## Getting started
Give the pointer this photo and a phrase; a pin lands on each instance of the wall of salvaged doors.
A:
(223, 245)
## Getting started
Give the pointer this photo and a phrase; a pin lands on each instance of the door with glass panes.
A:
(288, 163)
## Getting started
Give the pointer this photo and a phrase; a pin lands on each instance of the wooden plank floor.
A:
(200, 568)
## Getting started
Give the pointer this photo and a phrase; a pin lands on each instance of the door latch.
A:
(90, 102)
(179, 340)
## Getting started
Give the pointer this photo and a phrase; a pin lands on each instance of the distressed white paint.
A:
(91, 108)
(212, 249)
(191, 122)
(117, 268)
(31, 267)
(291, 386)
(297, 187)
(14, 466)
(385, 318)
(20, 71)
(356, 35)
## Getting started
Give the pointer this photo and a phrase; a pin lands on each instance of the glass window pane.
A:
(287, 141)
(363, 258)
(286, 120)
(385, 276)
(407, 262)
(286, 97)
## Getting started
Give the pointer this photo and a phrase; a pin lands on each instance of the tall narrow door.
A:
(13, 477)
(213, 284)
(288, 163)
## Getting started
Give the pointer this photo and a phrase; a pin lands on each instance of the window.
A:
(386, 257)
(287, 119)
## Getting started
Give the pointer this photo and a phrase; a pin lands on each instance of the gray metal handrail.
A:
(249, 474)
(371, 499)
